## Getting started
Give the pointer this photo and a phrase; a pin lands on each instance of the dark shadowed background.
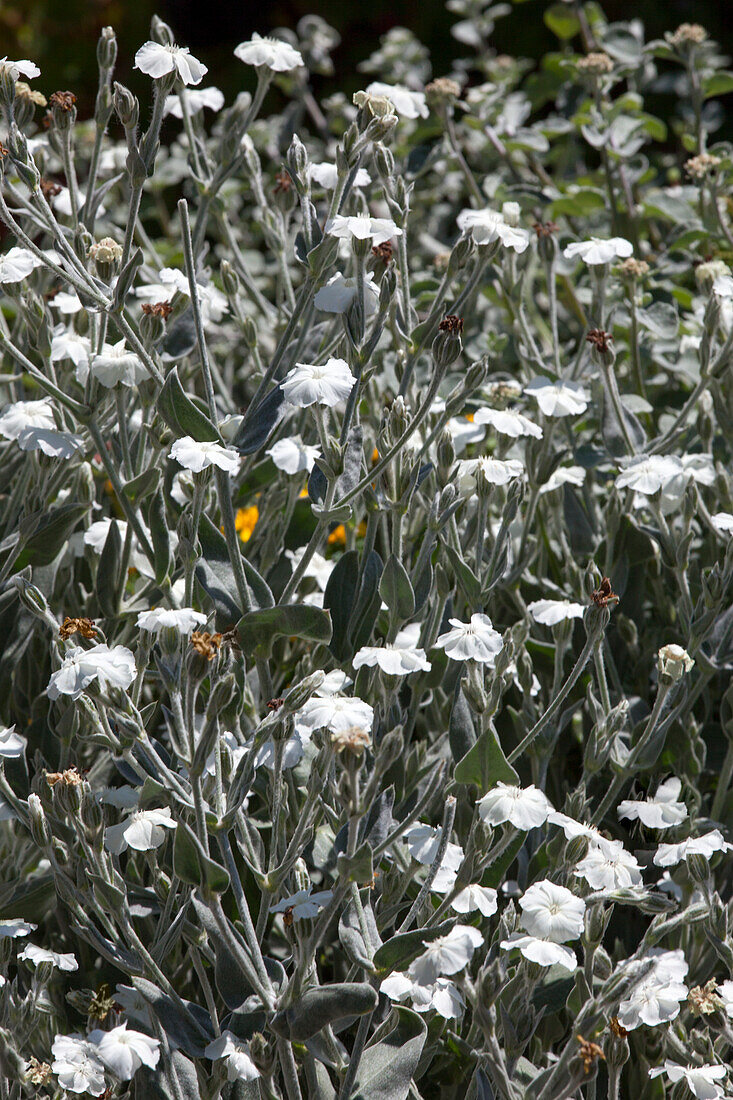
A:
(60, 35)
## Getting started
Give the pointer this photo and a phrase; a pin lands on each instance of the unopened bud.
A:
(229, 279)
(447, 345)
(698, 868)
(299, 695)
(126, 106)
(298, 163)
(37, 822)
(161, 32)
(384, 161)
(107, 49)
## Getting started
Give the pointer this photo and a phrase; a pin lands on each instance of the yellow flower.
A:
(302, 495)
(337, 536)
(469, 417)
(245, 521)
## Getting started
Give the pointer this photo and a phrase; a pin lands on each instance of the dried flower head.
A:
(703, 1000)
(499, 394)
(704, 164)
(353, 739)
(288, 918)
(687, 34)
(634, 269)
(616, 1029)
(38, 1073)
(544, 230)
(604, 594)
(378, 106)
(283, 182)
(68, 778)
(157, 309)
(62, 101)
(600, 339)
(595, 64)
(27, 94)
(106, 251)
(70, 626)
(451, 323)
(383, 252)
(50, 188)
(442, 91)
(589, 1053)
(441, 260)
(205, 644)
(275, 704)
(102, 1003)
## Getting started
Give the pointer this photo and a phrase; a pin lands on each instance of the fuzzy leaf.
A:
(181, 414)
(387, 1068)
(323, 1005)
(43, 533)
(485, 765)
(259, 423)
(257, 630)
(398, 952)
(193, 866)
(396, 590)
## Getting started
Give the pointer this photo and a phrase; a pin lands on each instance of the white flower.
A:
(115, 365)
(563, 475)
(15, 68)
(135, 1007)
(656, 999)
(464, 431)
(423, 842)
(475, 896)
(442, 995)
(397, 658)
(80, 667)
(293, 455)
(558, 398)
(700, 1080)
(303, 904)
(543, 952)
(319, 568)
(487, 470)
(123, 1051)
(66, 344)
(486, 226)
(599, 251)
(240, 1066)
(37, 955)
(551, 912)
(183, 619)
(18, 417)
(196, 100)
(12, 744)
(659, 812)
(310, 384)
(609, 867)
(196, 456)
(53, 443)
(669, 855)
(362, 227)
(61, 203)
(339, 292)
(13, 928)
(142, 830)
(725, 989)
(446, 955)
(335, 713)
(97, 532)
(573, 828)
(77, 1066)
(523, 807)
(723, 522)
(407, 103)
(473, 641)
(156, 60)
(508, 422)
(17, 264)
(649, 473)
(673, 662)
(269, 53)
(551, 612)
(326, 175)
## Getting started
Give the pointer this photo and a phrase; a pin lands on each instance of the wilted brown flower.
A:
(62, 101)
(636, 269)
(597, 64)
(616, 1029)
(604, 594)
(451, 323)
(68, 778)
(599, 339)
(38, 1073)
(207, 645)
(50, 188)
(283, 182)
(157, 309)
(383, 252)
(275, 704)
(687, 34)
(589, 1052)
(544, 229)
(24, 92)
(352, 740)
(70, 626)
(703, 1000)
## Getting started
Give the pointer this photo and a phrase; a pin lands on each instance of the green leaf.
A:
(215, 575)
(257, 630)
(396, 590)
(193, 866)
(323, 1005)
(465, 576)
(339, 600)
(717, 84)
(485, 765)
(43, 533)
(398, 952)
(143, 485)
(181, 414)
(160, 536)
(578, 205)
(108, 588)
(366, 604)
(387, 1068)
(359, 867)
(562, 21)
(461, 730)
(661, 319)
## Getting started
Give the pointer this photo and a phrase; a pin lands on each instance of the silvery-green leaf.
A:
(260, 422)
(323, 1005)
(181, 413)
(386, 1068)
(397, 952)
(396, 590)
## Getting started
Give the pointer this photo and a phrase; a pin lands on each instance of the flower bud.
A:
(37, 822)
(298, 164)
(446, 455)
(673, 662)
(390, 748)
(107, 49)
(698, 868)
(447, 345)
(106, 255)
(126, 106)
(161, 32)
(384, 161)
(575, 850)
(299, 695)
(511, 212)
(461, 253)
(378, 128)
